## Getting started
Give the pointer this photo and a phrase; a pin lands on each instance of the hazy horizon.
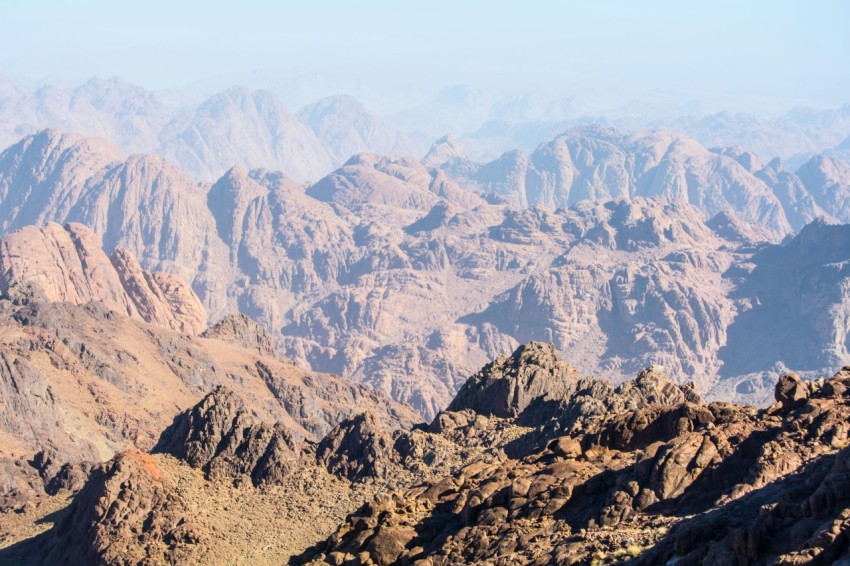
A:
(759, 57)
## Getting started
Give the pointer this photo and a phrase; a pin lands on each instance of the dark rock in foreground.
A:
(579, 472)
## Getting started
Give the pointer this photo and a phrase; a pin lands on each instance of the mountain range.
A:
(794, 137)
(235, 333)
(622, 250)
(206, 134)
(81, 380)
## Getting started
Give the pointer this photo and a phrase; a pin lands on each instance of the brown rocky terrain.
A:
(401, 277)
(664, 478)
(532, 464)
(79, 383)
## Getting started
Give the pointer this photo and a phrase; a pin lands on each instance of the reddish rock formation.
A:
(69, 265)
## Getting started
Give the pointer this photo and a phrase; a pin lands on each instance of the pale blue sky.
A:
(776, 53)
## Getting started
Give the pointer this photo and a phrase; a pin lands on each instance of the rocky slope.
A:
(396, 275)
(574, 471)
(79, 383)
(67, 264)
(695, 484)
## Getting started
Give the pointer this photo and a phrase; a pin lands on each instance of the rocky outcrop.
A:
(690, 483)
(58, 475)
(357, 449)
(219, 437)
(644, 472)
(160, 298)
(791, 391)
(121, 499)
(69, 265)
(508, 387)
(240, 329)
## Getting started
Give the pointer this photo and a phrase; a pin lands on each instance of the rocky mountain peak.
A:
(729, 226)
(654, 387)
(45, 175)
(197, 435)
(828, 182)
(127, 489)
(229, 198)
(357, 449)
(219, 437)
(347, 128)
(508, 386)
(747, 159)
(57, 141)
(445, 149)
(819, 170)
(402, 183)
(821, 240)
(244, 331)
(253, 129)
(775, 165)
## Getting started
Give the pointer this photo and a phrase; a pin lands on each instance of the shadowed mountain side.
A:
(805, 316)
